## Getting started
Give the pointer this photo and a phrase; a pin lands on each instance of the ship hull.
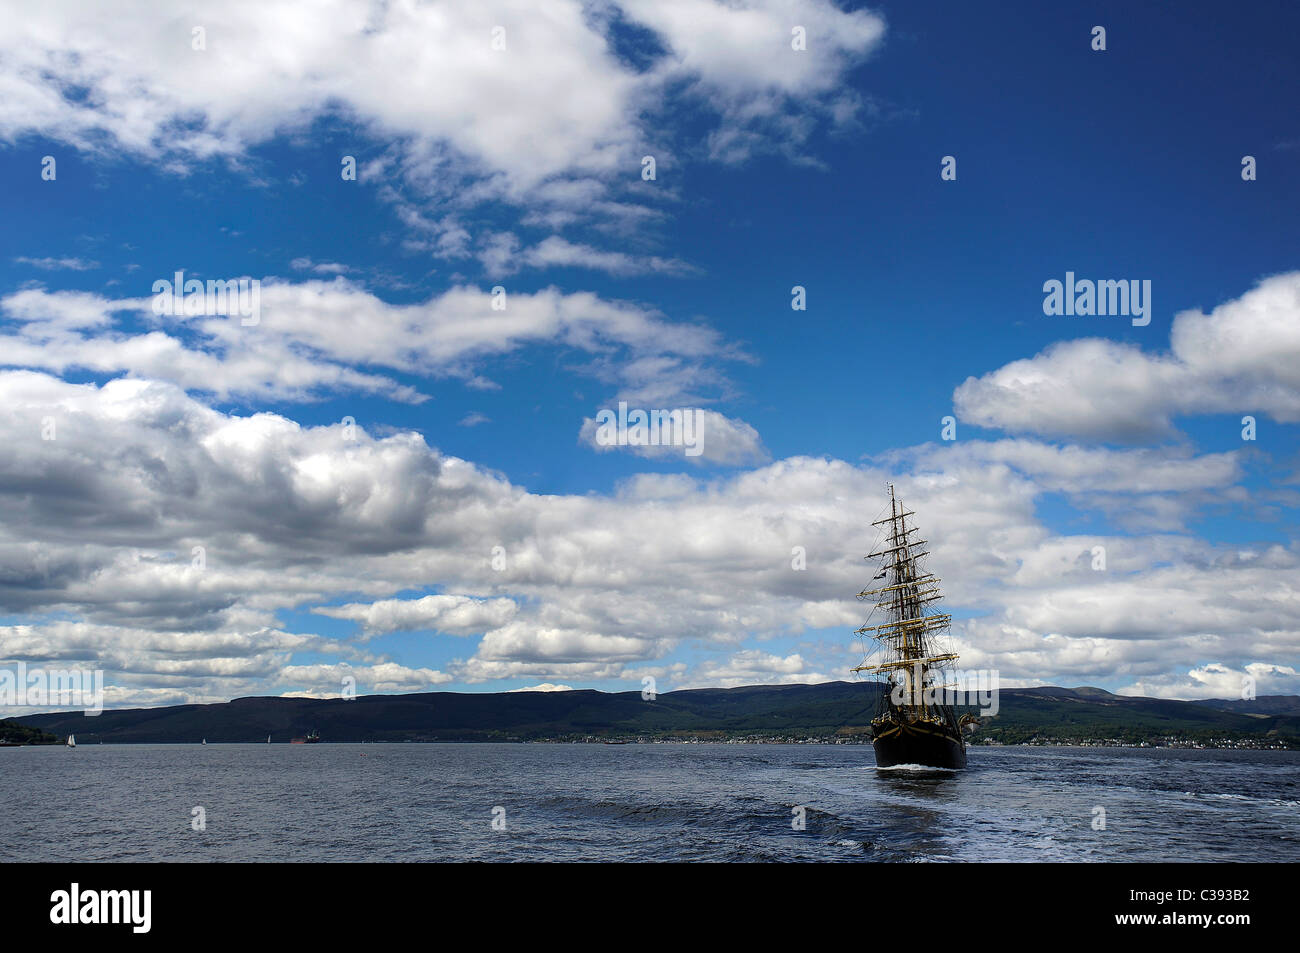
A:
(928, 745)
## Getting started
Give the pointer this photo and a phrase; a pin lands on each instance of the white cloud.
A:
(467, 122)
(271, 67)
(457, 615)
(320, 267)
(740, 61)
(751, 667)
(317, 337)
(1220, 681)
(58, 264)
(1242, 358)
(96, 549)
(382, 678)
(717, 438)
(503, 257)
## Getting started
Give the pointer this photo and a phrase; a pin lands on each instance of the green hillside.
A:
(833, 711)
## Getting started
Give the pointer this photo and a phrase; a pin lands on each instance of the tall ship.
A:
(912, 726)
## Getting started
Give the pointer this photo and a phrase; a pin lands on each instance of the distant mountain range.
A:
(832, 711)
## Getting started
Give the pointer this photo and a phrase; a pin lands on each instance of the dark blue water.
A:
(641, 802)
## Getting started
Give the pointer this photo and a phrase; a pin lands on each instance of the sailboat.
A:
(72, 741)
(268, 739)
(912, 726)
(205, 740)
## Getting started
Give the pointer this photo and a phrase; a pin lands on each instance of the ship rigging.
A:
(913, 725)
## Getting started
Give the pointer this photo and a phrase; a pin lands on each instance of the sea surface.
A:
(435, 802)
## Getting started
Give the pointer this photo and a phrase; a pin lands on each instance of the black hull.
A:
(929, 745)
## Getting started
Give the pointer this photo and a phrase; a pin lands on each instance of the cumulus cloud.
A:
(163, 539)
(471, 94)
(738, 60)
(381, 678)
(266, 68)
(457, 615)
(752, 667)
(1220, 681)
(317, 337)
(1241, 358)
(709, 437)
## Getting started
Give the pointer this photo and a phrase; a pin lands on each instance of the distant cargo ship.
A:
(312, 738)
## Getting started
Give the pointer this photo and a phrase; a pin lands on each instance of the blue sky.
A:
(775, 168)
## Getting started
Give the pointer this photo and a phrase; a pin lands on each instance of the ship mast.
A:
(906, 633)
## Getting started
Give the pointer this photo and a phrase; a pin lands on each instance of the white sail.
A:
(72, 741)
